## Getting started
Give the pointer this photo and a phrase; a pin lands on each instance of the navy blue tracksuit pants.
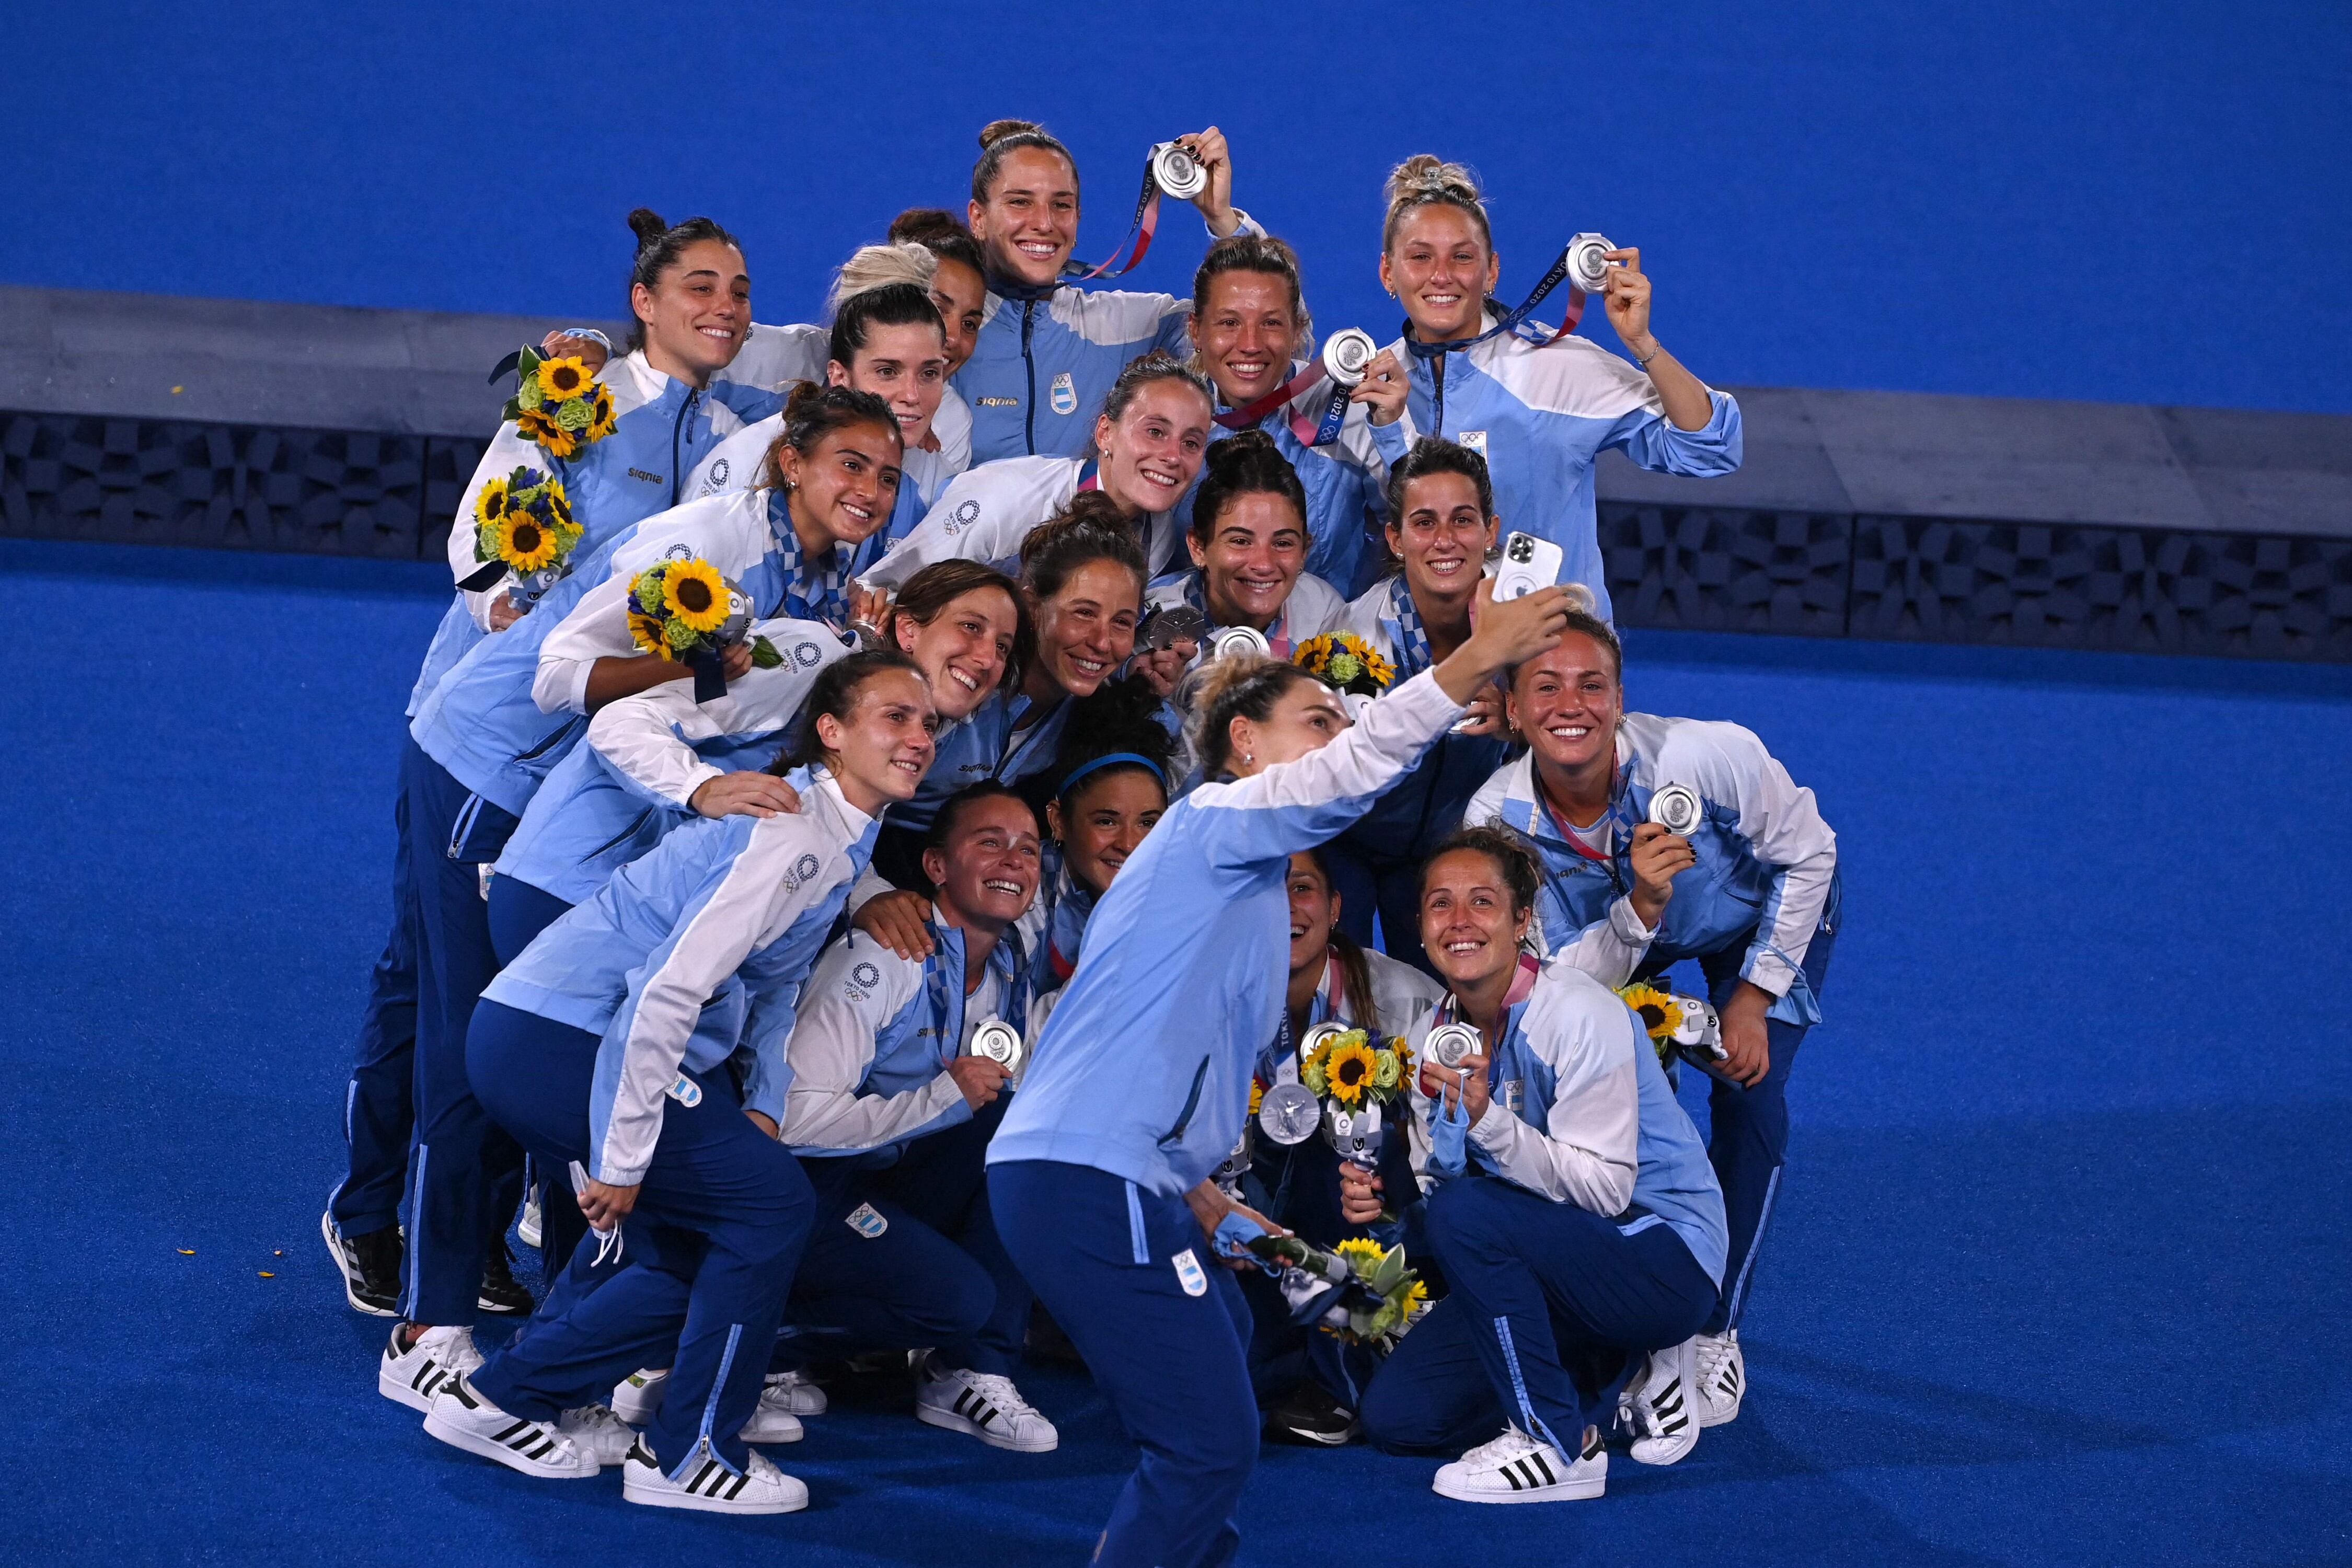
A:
(708, 1254)
(518, 912)
(1548, 1302)
(453, 833)
(1747, 1129)
(380, 1103)
(1130, 1279)
(939, 1276)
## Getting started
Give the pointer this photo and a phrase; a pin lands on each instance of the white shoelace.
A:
(1512, 1445)
(1715, 1352)
(1000, 1391)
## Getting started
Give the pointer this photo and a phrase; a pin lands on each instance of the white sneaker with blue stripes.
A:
(1516, 1467)
(710, 1487)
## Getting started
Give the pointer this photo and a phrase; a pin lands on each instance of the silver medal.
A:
(1588, 263)
(1288, 1113)
(1238, 640)
(1677, 808)
(999, 1041)
(1176, 172)
(1318, 1036)
(1346, 354)
(1451, 1045)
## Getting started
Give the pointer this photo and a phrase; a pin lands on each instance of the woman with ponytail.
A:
(1048, 352)
(1099, 1177)
(1538, 409)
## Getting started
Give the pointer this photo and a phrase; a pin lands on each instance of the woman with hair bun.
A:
(689, 299)
(1138, 1083)
(1250, 542)
(1538, 411)
(1049, 353)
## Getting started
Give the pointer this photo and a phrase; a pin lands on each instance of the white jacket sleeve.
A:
(506, 452)
(833, 1048)
(1588, 1152)
(982, 515)
(1727, 764)
(736, 909)
(650, 737)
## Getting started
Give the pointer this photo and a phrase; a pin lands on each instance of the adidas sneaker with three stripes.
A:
(1721, 1378)
(987, 1407)
(784, 1398)
(1516, 1467)
(711, 1485)
(464, 1420)
(1660, 1407)
(415, 1375)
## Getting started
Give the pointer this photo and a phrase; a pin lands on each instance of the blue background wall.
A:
(2133, 201)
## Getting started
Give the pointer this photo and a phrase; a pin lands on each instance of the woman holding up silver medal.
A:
(1334, 418)
(1138, 1088)
(1662, 840)
(900, 1071)
(1049, 351)
(1538, 404)
(1298, 1182)
(1571, 1207)
(1441, 525)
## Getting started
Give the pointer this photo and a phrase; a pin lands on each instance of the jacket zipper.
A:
(684, 411)
(623, 837)
(1029, 409)
(1184, 1117)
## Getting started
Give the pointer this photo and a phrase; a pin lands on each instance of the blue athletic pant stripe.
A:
(1529, 1422)
(710, 1406)
(1755, 1245)
(1142, 1248)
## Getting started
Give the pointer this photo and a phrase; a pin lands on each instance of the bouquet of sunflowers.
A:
(684, 610)
(1345, 662)
(558, 403)
(1681, 1028)
(1359, 1291)
(523, 524)
(1350, 1069)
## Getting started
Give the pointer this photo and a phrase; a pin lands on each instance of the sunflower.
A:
(601, 406)
(694, 593)
(559, 505)
(1362, 1256)
(540, 425)
(1416, 1300)
(490, 505)
(560, 379)
(1349, 1072)
(1257, 1096)
(1345, 662)
(1654, 1008)
(646, 631)
(531, 544)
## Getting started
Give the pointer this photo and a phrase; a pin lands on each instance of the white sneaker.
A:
(464, 1420)
(1721, 1377)
(1516, 1467)
(416, 1375)
(768, 1423)
(636, 1396)
(792, 1393)
(988, 1407)
(595, 1430)
(528, 1230)
(711, 1487)
(1659, 1406)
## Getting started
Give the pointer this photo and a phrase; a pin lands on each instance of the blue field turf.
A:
(2058, 1275)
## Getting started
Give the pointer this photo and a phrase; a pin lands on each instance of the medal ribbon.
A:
(1319, 432)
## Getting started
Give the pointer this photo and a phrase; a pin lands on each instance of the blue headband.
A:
(1109, 759)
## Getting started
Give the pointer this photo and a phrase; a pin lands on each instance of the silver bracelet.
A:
(1644, 363)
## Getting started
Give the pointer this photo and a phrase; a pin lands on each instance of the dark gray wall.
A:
(133, 417)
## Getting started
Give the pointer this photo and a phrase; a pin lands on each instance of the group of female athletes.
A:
(698, 979)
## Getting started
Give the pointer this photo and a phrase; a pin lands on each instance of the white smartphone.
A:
(1528, 564)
